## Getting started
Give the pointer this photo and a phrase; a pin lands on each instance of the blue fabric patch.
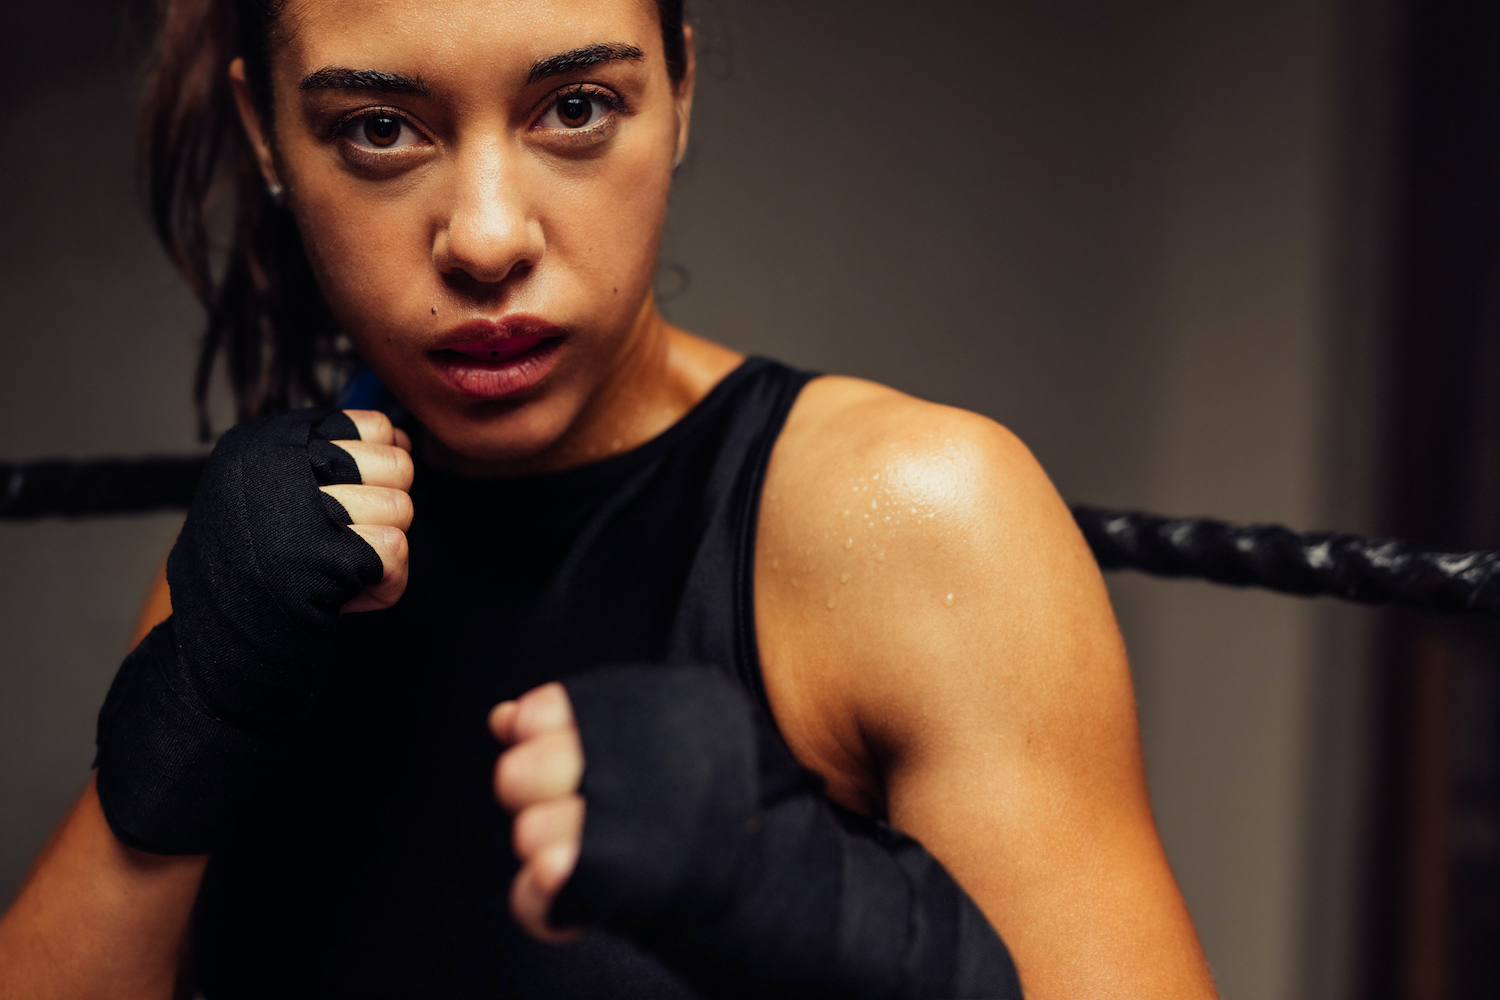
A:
(365, 391)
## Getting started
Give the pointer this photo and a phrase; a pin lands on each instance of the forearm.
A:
(95, 918)
(837, 907)
(706, 842)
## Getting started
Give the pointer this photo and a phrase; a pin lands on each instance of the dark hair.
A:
(266, 316)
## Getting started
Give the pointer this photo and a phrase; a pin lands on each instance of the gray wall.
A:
(1119, 229)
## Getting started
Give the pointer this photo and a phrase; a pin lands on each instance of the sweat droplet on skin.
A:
(775, 563)
(844, 578)
(830, 604)
(948, 600)
(848, 543)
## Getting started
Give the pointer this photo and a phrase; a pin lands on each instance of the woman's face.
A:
(480, 185)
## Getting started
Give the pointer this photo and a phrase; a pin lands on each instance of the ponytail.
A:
(266, 316)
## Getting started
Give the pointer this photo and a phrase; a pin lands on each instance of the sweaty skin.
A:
(936, 639)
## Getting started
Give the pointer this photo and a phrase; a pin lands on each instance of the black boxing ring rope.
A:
(1270, 557)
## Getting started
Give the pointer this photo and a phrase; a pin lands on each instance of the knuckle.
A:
(530, 831)
(506, 780)
(557, 862)
(400, 547)
(526, 715)
(545, 708)
(401, 507)
(372, 424)
(390, 539)
(390, 593)
(375, 535)
(517, 774)
(498, 778)
(384, 501)
(404, 469)
(389, 543)
(520, 900)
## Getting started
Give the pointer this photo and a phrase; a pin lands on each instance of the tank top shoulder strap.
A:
(715, 622)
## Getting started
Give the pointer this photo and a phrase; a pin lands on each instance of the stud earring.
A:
(277, 191)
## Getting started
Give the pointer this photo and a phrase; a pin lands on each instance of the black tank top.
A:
(378, 863)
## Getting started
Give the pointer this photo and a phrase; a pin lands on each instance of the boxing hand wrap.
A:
(709, 845)
(263, 564)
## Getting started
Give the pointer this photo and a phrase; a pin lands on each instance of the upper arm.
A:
(938, 641)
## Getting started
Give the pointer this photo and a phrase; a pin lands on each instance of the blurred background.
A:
(1206, 257)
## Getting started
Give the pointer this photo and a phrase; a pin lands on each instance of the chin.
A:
(493, 436)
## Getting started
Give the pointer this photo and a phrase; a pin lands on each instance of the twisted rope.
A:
(1266, 556)
(1295, 562)
(96, 487)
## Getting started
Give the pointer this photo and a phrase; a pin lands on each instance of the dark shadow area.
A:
(1433, 917)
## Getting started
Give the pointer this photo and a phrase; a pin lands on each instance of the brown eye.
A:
(382, 130)
(580, 110)
(575, 112)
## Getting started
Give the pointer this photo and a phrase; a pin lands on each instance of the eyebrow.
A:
(343, 78)
(582, 58)
(340, 78)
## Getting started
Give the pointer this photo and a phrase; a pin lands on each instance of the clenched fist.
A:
(379, 508)
(537, 779)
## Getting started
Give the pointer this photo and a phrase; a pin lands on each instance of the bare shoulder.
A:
(911, 556)
(937, 643)
(936, 455)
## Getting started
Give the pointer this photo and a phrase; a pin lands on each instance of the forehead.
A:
(457, 34)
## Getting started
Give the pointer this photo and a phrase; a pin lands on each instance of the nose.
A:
(491, 232)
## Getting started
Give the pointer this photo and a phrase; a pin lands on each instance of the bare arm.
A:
(939, 645)
(95, 918)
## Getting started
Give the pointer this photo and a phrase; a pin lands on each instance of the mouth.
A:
(485, 360)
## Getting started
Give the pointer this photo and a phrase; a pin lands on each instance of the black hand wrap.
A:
(708, 844)
(264, 562)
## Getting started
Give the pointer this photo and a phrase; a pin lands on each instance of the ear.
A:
(260, 139)
(684, 98)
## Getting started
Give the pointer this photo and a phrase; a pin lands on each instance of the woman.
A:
(473, 193)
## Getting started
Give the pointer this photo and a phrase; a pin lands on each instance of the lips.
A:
(497, 350)
(486, 360)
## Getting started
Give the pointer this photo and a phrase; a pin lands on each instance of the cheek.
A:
(369, 255)
(603, 231)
